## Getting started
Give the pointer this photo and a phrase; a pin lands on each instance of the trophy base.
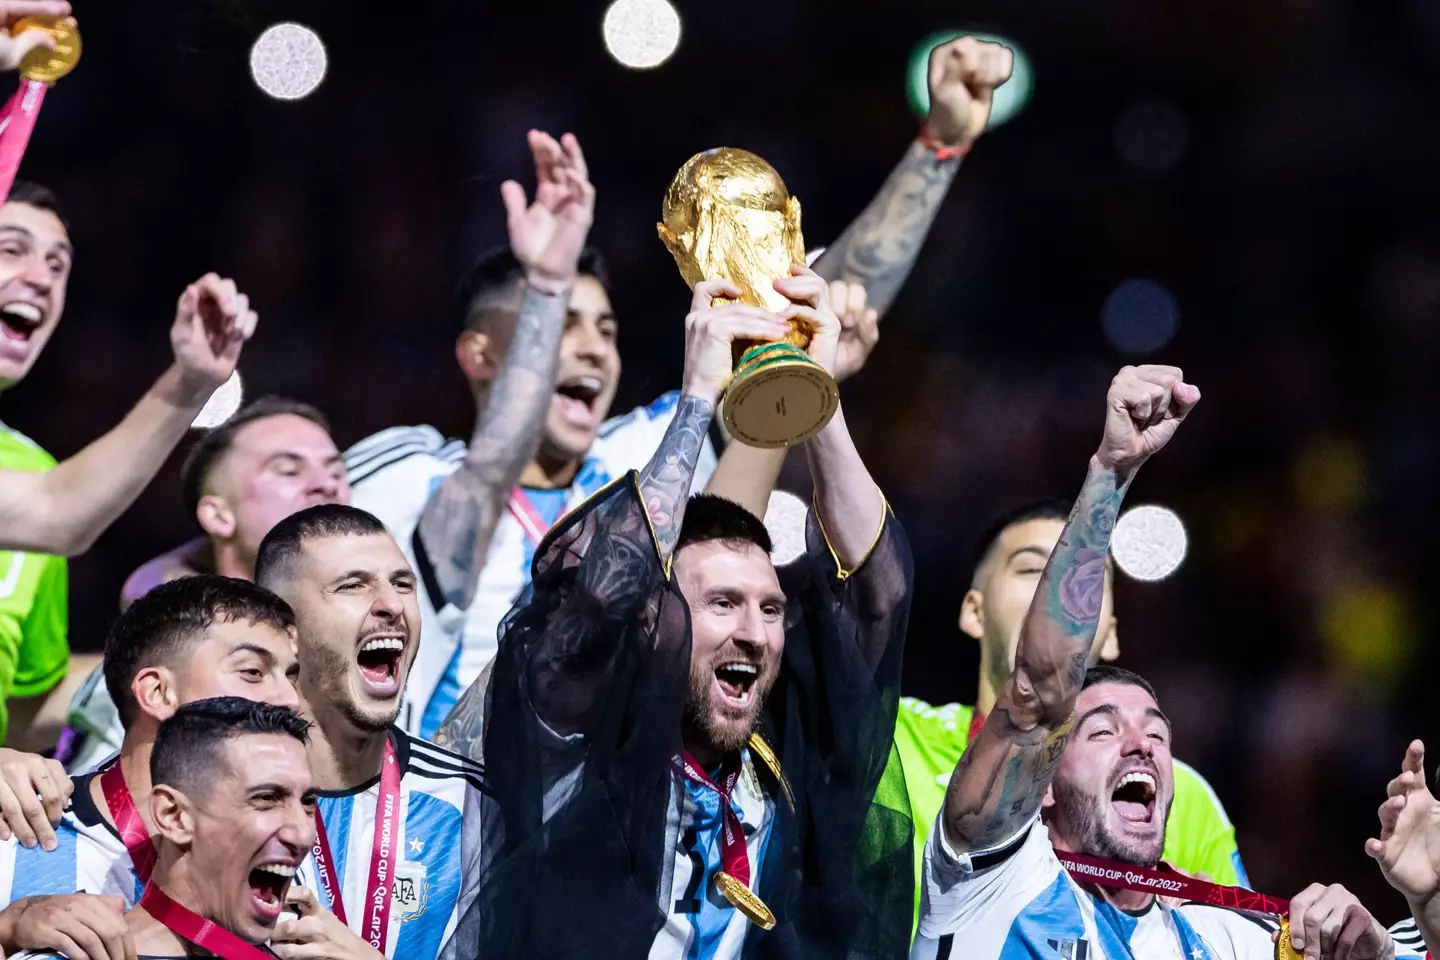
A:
(778, 397)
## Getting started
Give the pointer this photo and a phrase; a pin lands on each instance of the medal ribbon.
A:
(528, 517)
(17, 122)
(1167, 883)
(199, 931)
(734, 857)
(382, 858)
(128, 822)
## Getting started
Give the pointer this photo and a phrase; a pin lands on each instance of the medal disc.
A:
(47, 66)
(1284, 949)
(744, 900)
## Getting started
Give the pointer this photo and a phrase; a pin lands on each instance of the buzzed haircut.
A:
(207, 452)
(1109, 673)
(188, 745)
(275, 560)
(160, 627)
(1051, 508)
(708, 517)
(497, 271)
(40, 197)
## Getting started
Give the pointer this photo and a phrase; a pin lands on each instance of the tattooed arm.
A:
(546, 237)
(879, 248)
(1001, 778)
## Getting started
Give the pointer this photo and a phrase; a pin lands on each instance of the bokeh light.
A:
(222, 404)
(641, 34)
(1140, 316)
(785, 519)
(1151, 137)
(288, 61)
(1149, 542)
(1009, 99)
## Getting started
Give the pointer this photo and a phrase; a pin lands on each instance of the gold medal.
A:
(744, 900)
(1284, 949)
(47, 66)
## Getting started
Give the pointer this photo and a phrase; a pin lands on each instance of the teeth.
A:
(279, 869)
(749, 668)
(383, 643)
(25, 311)
(1138, 777)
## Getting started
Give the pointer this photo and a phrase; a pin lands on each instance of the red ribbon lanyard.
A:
(199, 931)
(17, 122)
(734, 857)
(1164, 883)
(128, 822)
(528, 517)
(382, 858)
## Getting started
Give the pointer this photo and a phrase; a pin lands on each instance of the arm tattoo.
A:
(460, 518)
(463, 731)
(880, 247)
(1000, 780)
(665, 481)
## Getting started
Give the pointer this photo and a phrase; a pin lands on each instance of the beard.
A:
(325, 675)
(723, 733)
(1083, 815)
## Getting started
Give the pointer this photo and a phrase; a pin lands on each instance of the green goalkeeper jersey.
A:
(1199, 837)
(34, 653)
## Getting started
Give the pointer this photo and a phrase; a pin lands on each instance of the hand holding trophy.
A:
(728, 216)
(42, 40)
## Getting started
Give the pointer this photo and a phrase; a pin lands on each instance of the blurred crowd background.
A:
(1244, 189)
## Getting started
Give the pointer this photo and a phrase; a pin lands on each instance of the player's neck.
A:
(135, 765)
(701, 750)
(342, 755)
(549, 472)
(153, 938)
(1130, 901)
(231, 561)
(984, 695)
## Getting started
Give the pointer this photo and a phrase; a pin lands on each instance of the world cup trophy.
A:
(728, 216)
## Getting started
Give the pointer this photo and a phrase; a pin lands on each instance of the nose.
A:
(282, 692)
(588, 343)
(750, 630)
(387, 604)
(324, 483)
(37, 273)
(298, 831)
(1135, 742)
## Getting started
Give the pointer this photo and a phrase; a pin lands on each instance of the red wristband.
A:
(942, 152)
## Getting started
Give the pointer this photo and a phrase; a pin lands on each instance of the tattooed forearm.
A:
(665, 481)
(879, 248)
(1001, 779)
(464, 728)
(459, 519)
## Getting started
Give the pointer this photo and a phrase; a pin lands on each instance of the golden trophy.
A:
(728, 216)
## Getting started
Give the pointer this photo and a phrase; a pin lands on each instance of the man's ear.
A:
(170, 809)
(1110, 640)
(215, 516)
(154, 689)
(1048, 801)
(473, 353)
(972, 614)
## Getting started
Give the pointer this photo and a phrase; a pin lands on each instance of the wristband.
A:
(941, 151)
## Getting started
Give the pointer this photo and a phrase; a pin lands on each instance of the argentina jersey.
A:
(1023, 905)
(437, 870)
(701, 924)
(393, 475)
(89, 857)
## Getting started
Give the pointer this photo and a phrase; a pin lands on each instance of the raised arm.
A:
(547, 236)
(1408, 849)
(879, 248)
(1001, 778)
(63, 511)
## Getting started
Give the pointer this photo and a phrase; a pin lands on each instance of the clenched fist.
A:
(963, 76)
(1143, 410)
(710, 333)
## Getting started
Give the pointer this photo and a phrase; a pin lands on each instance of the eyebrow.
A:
(1111, 710)
(16, 228)
(1043, 554)
(254, 648)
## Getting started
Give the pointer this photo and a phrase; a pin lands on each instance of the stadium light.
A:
(1140, 316)
(641, 34)
(785, 519)
(222, 404)
(1149, 542)
(1010, 98)
(288, 61)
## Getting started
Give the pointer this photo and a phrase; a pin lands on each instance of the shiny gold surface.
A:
(779, 403)
(48, 66)
(744, 900)
(1284, 949)
(728, 216)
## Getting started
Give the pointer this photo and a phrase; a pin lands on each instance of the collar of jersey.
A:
(402, 757)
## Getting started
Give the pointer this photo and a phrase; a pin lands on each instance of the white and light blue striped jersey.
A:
(393, 474)
(1027, 907)
(1408, 938)
(438, 874)
(701, 923)
(89, 858)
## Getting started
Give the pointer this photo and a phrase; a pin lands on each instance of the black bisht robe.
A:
(582, 726)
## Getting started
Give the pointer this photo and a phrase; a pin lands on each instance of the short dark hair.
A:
(498, 268)
(283, 544)
(1051, 508)
(216, 443)
(165, 621)
(1109, 673)
(708, 517)
(39, 196)
(187, 745)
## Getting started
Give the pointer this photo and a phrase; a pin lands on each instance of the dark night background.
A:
(1297, 231)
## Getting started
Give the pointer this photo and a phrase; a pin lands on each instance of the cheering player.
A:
(397, 817)
(185, 641)
(1089, 751)
(681, 769)
(232, 815)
